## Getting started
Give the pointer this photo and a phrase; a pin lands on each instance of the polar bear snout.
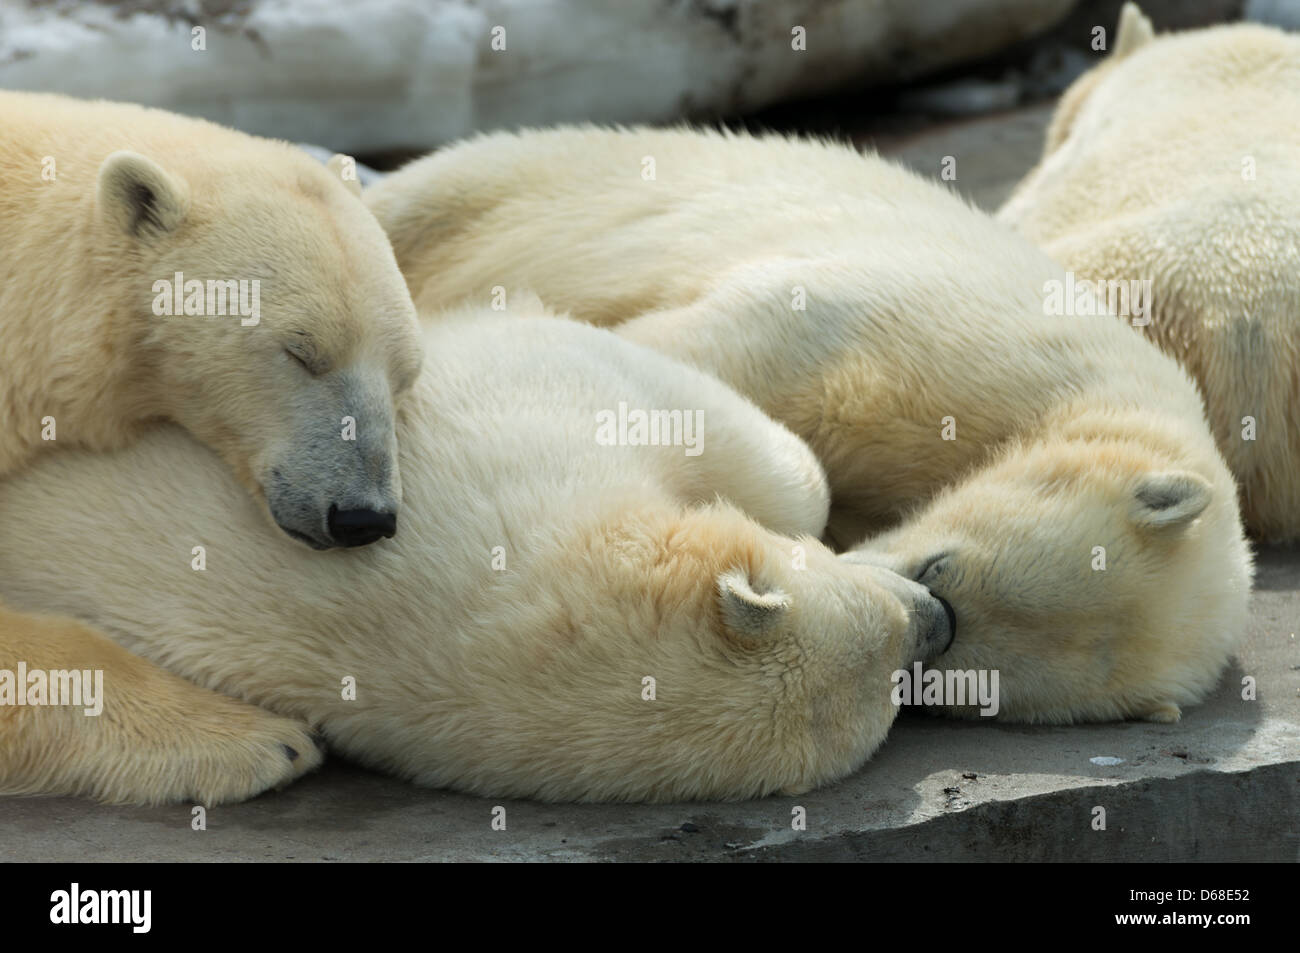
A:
(348, 507)
(938, 627)
(322, 520)
(932, 622)
(331, 480)
(951, 618)
(360, 527)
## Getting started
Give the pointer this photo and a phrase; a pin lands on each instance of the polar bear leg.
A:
(158, 738)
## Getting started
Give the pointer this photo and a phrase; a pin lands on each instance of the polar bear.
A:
(1051, 475)
(132, 289)
(1173, 162)
(155, 267)
(565, 615)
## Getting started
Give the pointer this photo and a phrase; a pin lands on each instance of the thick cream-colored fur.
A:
(159, 737)
(518, 671)
(82, 343)
(100, 201)
(1174, 160)
(1077, 444)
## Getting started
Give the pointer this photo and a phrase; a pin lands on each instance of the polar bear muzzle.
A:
(329, 485)
(952, 621)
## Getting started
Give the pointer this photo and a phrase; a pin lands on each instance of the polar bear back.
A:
(1175, 163)
(737, 245)
(501, 437)
(1189, 117)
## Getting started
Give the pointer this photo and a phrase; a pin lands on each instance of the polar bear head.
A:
(822, 647)
(264, 312)
(764, 663)
(1098, 586)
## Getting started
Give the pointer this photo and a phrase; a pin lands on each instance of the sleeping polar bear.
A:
(569, 612)
(1174, 161)
(1051, 476)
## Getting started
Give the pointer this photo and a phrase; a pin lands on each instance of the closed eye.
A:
(306, 365)
(932, 568)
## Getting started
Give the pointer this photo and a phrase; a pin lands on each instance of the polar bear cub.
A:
(1173, 163)
(571, 611)
(1050, 474)
(157, 267)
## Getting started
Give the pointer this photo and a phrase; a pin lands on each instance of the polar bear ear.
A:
(1134, 31)
(140, 196)
(1170, 500)
(345, 170)
(746, 611)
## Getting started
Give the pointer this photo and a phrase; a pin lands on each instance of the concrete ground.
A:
(1224, 784)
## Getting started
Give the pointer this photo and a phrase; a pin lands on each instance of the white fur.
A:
(101, 203)
(1174, 160)
(771, 657)
(1071, 432)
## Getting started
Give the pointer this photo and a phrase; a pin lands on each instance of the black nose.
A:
(360, 527)
(952, 621)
